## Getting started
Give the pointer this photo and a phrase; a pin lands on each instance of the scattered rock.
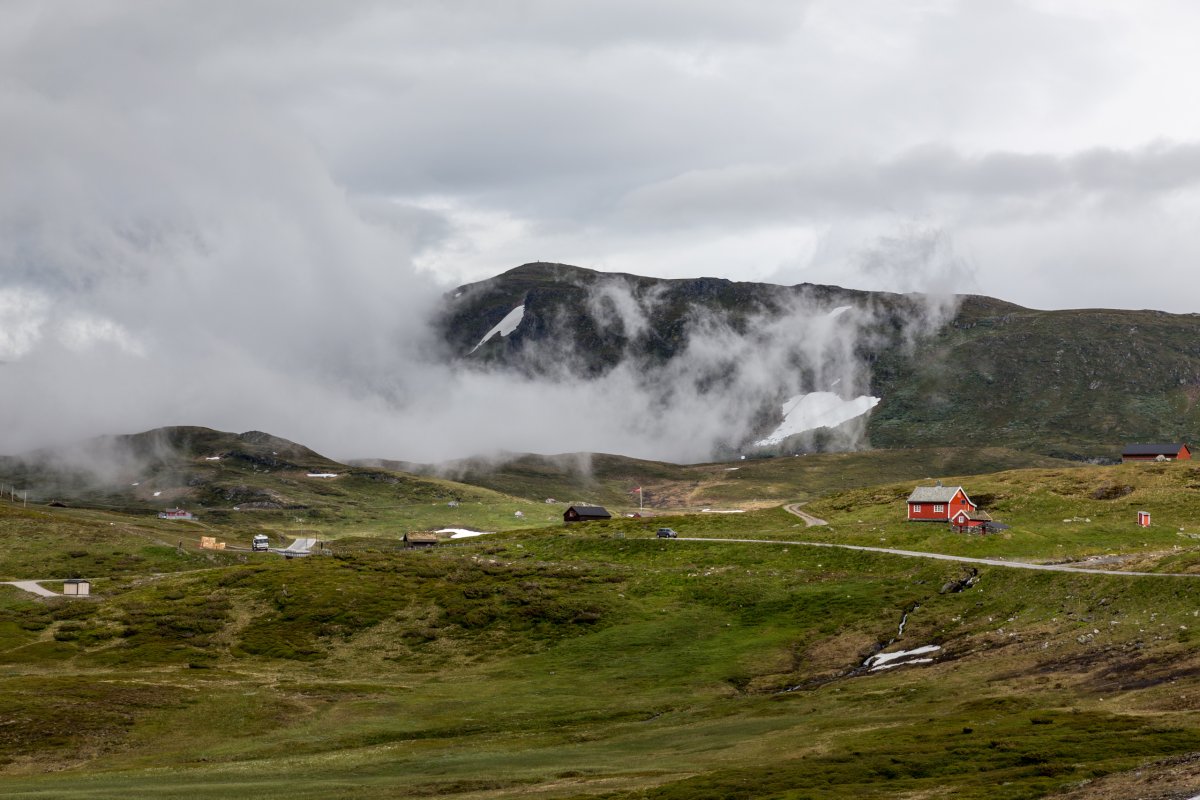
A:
(965, 582)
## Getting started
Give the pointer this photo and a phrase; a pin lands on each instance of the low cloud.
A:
(723, 386)
(233, 218)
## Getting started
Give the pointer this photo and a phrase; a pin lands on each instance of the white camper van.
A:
(261, 542)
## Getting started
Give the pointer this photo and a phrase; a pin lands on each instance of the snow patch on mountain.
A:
(901, 658)
(462, 533)
(504, 327)
(806, 412)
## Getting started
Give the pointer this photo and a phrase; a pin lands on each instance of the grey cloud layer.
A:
(921, 180)
(238, 214)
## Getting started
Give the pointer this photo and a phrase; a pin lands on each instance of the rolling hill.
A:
(241, 484)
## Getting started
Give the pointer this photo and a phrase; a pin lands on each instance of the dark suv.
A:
(667, 533)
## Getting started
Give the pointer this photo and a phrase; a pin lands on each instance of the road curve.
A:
(298, 547)
(991, 562)
(809, 519)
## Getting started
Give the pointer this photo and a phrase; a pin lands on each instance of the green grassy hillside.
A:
(588, 661)
(749, 483)
(1082, 382)
(1055, 516)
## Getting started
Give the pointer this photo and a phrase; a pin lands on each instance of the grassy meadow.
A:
(749, 483)
(597, 661)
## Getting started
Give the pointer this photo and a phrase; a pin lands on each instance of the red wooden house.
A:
(938, 503)
(1156, 452)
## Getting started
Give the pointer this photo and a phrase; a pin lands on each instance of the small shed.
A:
(585, 513)
(973, 521)
(1156, 452)
(420, 539)
(1144, 519)
(77, 587)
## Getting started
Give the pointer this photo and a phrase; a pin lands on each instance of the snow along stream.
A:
(900, 658)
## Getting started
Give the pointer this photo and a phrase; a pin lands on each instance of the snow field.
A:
(806, 412)
(511, 321)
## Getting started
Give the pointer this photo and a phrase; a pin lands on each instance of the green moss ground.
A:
(592, 661)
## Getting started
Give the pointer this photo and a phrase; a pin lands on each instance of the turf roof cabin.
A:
(1156, 452)
(938, 503)
(585, 514)
(421, 539)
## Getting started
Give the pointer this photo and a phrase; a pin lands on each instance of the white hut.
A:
(77, 587)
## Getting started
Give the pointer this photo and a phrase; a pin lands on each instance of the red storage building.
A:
(1156, 452)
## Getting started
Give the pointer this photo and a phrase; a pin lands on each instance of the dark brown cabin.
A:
(585, 514)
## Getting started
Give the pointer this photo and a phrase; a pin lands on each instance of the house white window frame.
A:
(916, 508)
(939, 508)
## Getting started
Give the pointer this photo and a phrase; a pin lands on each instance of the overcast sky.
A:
(1052, 146)
(286, 184)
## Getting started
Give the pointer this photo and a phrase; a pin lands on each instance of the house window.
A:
(939, 509)
(916, 508)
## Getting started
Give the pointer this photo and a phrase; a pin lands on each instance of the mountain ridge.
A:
(967, 370)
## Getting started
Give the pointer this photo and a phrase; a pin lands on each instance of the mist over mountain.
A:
(719, 361)
(550, 358)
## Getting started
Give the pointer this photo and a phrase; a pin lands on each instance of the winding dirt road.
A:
(809, 519)
(991, 562)
(298, 547)
(33, 587)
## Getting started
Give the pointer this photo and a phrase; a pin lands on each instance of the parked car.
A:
(667, 533)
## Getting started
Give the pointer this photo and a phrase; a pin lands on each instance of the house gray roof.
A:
(1152, 449)
(934, 494)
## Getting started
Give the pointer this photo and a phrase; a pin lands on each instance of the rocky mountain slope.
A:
(948, 371)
